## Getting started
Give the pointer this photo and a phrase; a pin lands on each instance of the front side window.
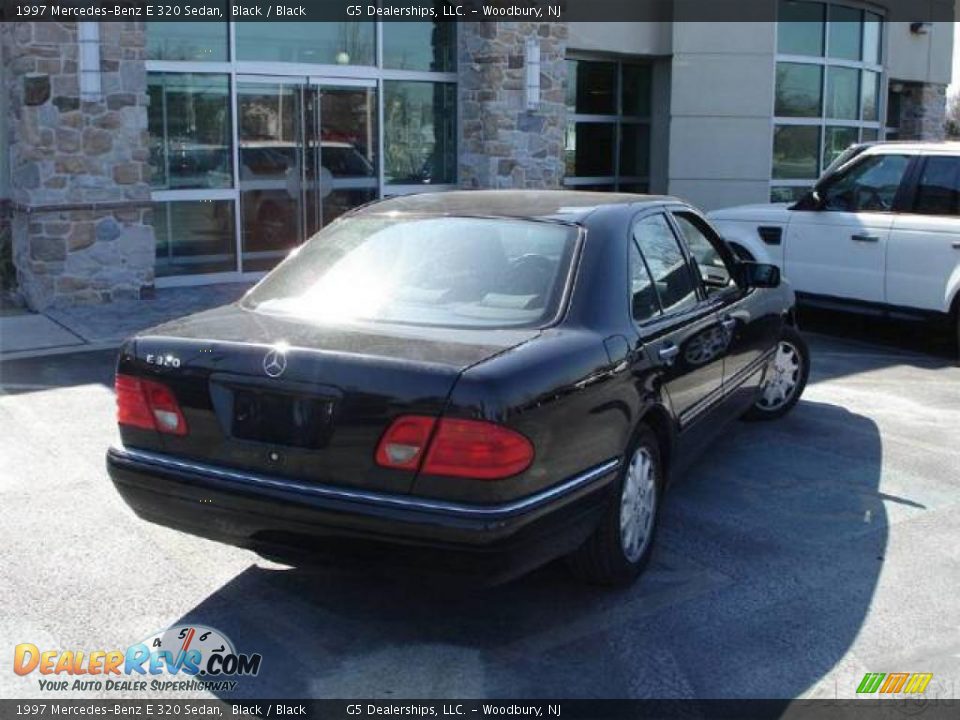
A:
(714, 271)
(437, 271)
(869, 186)
(673, 282)
(938, 192)
(828, 87)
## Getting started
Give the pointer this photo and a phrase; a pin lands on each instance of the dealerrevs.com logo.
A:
(200, 657)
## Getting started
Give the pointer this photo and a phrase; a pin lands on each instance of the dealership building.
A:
(145, 155)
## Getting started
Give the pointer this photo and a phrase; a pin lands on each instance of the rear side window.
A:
(938, 192)
(439, 271)
(673, 282)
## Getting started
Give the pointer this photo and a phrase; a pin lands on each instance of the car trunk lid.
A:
(283, 397)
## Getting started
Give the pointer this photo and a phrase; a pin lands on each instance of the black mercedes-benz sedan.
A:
(484, 380)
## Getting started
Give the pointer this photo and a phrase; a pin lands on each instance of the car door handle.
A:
(668, 353)
(865, 238)
(956, 246)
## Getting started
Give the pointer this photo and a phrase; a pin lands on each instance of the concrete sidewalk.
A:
(23, 334)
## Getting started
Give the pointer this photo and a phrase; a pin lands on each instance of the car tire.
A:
(616, 553)
(785, 380)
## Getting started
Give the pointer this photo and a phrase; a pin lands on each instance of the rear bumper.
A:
(311, 522)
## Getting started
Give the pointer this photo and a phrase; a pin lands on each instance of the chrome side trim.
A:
(718, 395)
(146, 460)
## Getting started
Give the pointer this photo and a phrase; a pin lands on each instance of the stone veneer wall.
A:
(923, 111)
(81, 218)
(501, 143)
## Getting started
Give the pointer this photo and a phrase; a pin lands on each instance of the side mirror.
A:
(759, 275)
(813, 200)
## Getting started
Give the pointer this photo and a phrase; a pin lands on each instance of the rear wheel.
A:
(785, 380)
(620, 547)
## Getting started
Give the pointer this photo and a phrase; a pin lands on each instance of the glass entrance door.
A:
(307, 153)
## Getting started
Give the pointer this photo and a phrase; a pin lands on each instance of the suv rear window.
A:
(440, 271)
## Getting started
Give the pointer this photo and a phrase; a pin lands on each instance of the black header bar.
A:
(439, 10)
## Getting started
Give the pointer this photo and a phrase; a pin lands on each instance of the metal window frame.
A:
(825, 62)
(236, 70)
(617, 119)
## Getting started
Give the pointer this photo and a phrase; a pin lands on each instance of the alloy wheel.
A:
(784, 378)
(638, 505)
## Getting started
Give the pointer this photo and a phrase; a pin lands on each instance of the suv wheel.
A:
(785, 380)
(620, 547)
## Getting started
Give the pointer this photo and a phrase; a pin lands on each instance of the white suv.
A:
(879, 233)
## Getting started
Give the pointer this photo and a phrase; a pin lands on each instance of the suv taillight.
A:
(474, 449)
(148, 404)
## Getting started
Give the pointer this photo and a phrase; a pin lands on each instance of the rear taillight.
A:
(459, 448)
(402, 445)
(149, 405)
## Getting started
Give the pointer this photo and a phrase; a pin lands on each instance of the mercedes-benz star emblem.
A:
(274, 363)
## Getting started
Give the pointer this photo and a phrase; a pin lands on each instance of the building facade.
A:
(146, 155)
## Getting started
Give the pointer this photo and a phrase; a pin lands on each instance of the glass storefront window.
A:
(420, 46)
(194, 237)
(636, 92)
(190, 132)
(419, 132)
(843, 94)
(846, 26)
(828, 79)
(310, 144)
(590, 149)
(868, 96)
(608, 130)
(836, 140)
(193, 41)
(634, 149)
(328, 43)
(592, 87)
(800, 28)
(799, 88)
(872, 29)
(796, 151)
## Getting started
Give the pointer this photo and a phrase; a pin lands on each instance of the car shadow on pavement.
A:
(846, 344)
(767, 560)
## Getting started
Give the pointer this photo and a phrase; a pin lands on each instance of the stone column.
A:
(923, 111)
(502, 144)
(79, 180)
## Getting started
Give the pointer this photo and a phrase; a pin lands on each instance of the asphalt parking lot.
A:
(794, 558)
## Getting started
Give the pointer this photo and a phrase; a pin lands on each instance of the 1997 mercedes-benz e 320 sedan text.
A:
(506, 377)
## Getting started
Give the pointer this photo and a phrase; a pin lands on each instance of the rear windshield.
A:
(441, 271)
